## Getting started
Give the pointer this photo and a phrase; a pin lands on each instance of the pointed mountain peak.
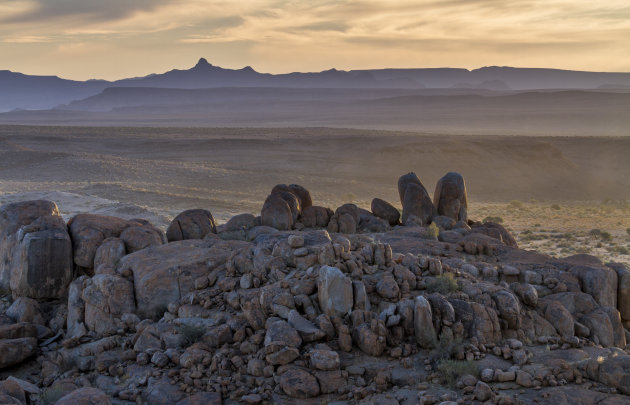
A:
(203, 63)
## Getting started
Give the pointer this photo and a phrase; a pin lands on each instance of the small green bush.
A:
(443, 284)
(628, 231)
(555, 207)
(433, 231)
(497, 220)
(451, 370)
(516, 204)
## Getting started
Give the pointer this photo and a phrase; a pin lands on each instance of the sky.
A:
(113, 39)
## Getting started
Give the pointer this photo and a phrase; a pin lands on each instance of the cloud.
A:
(92, 10)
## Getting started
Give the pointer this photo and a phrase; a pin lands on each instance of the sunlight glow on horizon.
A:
(87, 39)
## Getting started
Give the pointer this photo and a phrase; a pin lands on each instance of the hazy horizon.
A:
(83, 40)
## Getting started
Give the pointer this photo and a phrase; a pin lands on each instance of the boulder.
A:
(450, 197)
(404, 181)
(485, 325)
(623, 289)
(322, 359)
(423, 323)
(307, 330)
(35, 250)
(12, 218)
(109, 254)
(508, 308)
(163, 274)
(281, 333)
(141, 237)
(315, 216)
(88, 231)
(495, 231)
(85, 396)
(299, 383)
(371, 337)
(303, 195)
(560, 318)
(417, 203)
(526, 292)
(277, 213)
(368, 222)
(41, 266)
(15, 351)
(599, 282)
(385, 210)
(107, 298)
(241, 222)
(26, 310)
(334, 291)
(191, 224)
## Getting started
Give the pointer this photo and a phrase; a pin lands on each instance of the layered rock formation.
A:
(304, 303)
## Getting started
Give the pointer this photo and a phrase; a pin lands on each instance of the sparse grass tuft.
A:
(516, 204)
(451, 370)
(433, 231)
(443, 284)
(496, 219)
(628, 231)
(555, 207)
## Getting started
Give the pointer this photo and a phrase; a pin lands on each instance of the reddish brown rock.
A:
(191, 224)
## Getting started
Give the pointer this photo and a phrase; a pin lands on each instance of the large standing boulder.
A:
(385, 210)
(191, 224)
(415, 199)
(35, 250)
(334, 291)
(560, 318)
(423, 323)
(345, 220)
(450, 197)
(42, 261)
(88, 231)
(277, 213)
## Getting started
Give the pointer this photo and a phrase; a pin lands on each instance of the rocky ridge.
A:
(304, 304)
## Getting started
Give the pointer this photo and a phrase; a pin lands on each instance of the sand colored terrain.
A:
(157, 172)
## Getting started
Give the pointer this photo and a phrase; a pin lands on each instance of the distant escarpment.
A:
(304, 304)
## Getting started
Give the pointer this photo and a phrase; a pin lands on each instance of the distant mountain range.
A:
(19, 91)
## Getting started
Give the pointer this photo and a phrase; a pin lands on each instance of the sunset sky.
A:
(111, 39)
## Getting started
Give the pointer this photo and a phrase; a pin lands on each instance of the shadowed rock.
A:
(450, 197)
(191, 224)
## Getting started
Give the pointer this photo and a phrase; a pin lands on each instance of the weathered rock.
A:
(417, 203)
(18, 330)
(85, 396)
(277, 213)
(508, 308)
(600, 282)
(482, 392)
(280, 332)
(368, 222)
(315, 216)
(324, 359)
(15, 351)
(26, 310)
(526, 292)
(307, 330)
(163, 274)
(191, 224)
(106, 299)
(623, 289)
(495, 231)
(302, 194)
(109, 253)
(202, 398)
(371, 337)
(334, 291)
(560, 318)
(485, 325)
(387, 287)
(298, 383)
(12, 218)
(385, 210)
(423, 323)
(88, 231)
(614, 372)
(141, 237)
(450, 197)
